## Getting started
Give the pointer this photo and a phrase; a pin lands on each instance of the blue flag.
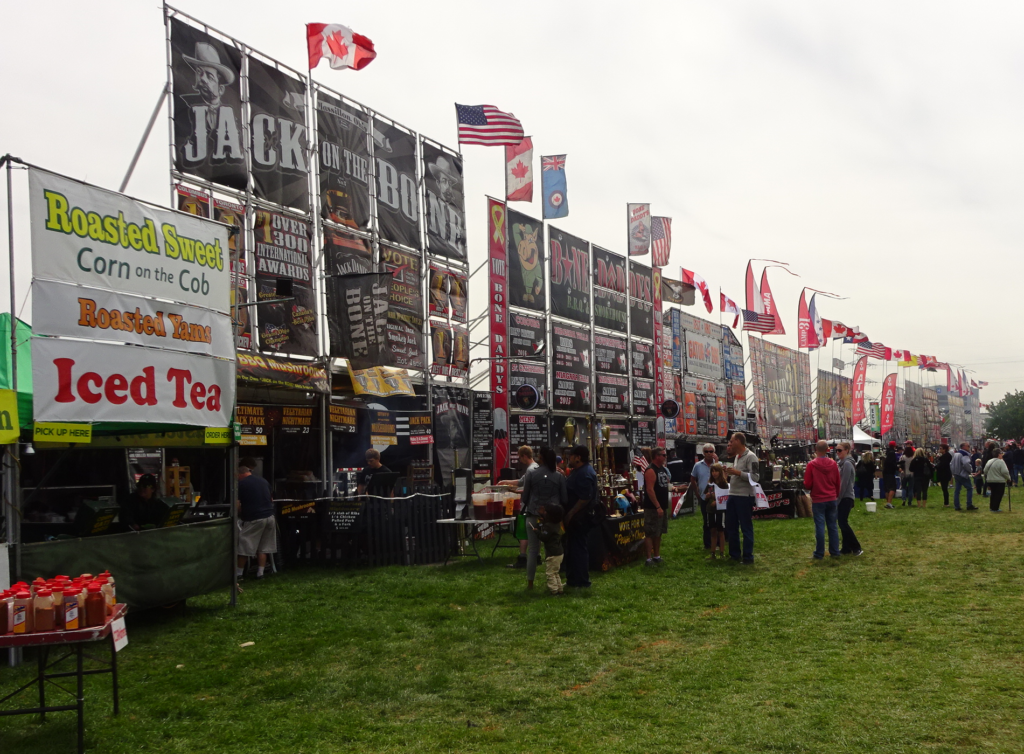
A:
(553, 182)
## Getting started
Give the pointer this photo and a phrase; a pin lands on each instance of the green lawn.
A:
(915, 646)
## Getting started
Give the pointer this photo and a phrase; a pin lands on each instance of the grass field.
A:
(914, 646)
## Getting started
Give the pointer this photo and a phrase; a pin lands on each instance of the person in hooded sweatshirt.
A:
(822, 479)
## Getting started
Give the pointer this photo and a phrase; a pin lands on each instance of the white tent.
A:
(860, 437)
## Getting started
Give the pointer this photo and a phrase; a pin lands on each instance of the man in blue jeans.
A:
(962, 468)
(822, 479)
(582, 490)
(739, 512)
(1015, 462)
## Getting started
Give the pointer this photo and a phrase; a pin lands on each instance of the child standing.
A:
(549, 531)
(716, 518)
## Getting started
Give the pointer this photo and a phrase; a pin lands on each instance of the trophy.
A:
(569, 430)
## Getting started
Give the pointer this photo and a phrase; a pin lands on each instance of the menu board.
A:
(528, 429)
(342, 418)
(526, 334)
(483, 433)
(533, 373)
(419, 427)
(383, 428)
(611, 355)
(643, 398)
(296, 419)
(612, 394)
(642, 361)
(645, 433)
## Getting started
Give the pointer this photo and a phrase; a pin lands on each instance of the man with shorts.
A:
(657, 482)
(257, 530)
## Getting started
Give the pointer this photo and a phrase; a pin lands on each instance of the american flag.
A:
(554, 162)
(874, 350)
(762, 323)
(488, 126)
(982, 383)
(661, 240)
(640, 462)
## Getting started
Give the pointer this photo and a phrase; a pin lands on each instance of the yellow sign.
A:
(382, 381)
(219, 435)
(10, 428)
(253, 440)
(61, 432)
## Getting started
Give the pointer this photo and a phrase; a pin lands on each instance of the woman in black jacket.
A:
(943, 474)
(544, 486)
(866, 476)
(922, 469)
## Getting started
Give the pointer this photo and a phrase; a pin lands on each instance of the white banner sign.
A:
(87, 235)
(77, 381)
(703, 356)
(74, 311)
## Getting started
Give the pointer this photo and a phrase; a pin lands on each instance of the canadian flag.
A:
(692, 278)
(728, 306)
(341, 46)
(519, 171)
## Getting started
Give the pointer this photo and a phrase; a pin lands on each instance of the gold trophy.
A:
(569, 429)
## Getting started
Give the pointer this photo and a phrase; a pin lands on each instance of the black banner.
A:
(398, 207)
(346, 253)
(611, 355)
(570, 276)
(446, 202)
(447, 290)
(642, 360)
(450, 350)
(282, 251)
(355, 322)
(280, 140)
(483, 434)
(344, 164)
(643, 398)
(205, 76)
(612, 394)
(645, 433)
(528, 429)
(533, 373)
(405, 315)
(525, 262)
(641, 301)
(452, 429)
(610, 287)
(526, 335)
(266, 371)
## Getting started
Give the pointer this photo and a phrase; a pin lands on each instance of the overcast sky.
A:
(876, 146)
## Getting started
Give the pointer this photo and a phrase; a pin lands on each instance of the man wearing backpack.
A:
(583, 496)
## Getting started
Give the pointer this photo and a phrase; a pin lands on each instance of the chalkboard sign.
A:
(343, 514)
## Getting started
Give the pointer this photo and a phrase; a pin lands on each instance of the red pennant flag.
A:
(888, 402)
(803, 325)
(769, 304)
(860, 373)
(754, 301)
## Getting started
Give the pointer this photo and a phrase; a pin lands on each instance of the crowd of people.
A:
(987, 471)
(564, 495)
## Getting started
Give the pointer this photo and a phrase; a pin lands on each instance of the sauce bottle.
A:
(73, 602)
(5, 612)
(57, 590)
(37, 584)
(95, 605)
(43, 606)
(22, 621)
(107, 589)
(113, 588)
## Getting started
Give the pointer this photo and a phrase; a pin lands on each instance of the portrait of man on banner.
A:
(207, 105)
(446, 205)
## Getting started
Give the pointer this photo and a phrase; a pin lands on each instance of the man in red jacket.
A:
(823, 481)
